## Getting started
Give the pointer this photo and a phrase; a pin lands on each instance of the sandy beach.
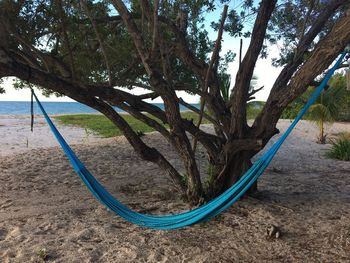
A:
(47, 214)
(16, 136)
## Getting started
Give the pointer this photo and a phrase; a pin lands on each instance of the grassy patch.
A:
(340, 148)
(252, 113)
(42, 254)
(254, 108)
(102, 126)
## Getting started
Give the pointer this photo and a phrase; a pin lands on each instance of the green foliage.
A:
(326, 109)
(332, 105)
(42, 254)
(290, 22)
(327, 106)
(292, 110)
(233, 25)
(45, 25)
(339, 80)
(254, 108)
(340, 148)
(225, 84)
(102, 126)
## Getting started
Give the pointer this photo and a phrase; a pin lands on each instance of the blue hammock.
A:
(200, 214)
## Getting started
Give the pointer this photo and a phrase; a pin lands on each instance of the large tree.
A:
(87, 50)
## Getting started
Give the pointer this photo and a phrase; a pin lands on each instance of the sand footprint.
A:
(156, 257)
(87, 234)
(3, 234)
(6, 204)
(43, 228)
(126, 254)
(15, 232)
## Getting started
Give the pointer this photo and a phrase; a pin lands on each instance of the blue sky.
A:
(265, 72)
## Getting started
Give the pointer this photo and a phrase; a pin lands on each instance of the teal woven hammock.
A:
(200, 214)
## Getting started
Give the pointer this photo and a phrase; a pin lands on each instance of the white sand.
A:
(44, 206)
(16, 136)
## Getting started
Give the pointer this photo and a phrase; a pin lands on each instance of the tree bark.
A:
(287, 86)
(239, 99)
(224, 176)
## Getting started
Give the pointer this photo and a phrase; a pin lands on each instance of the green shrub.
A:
(254, 108)
(340, 148)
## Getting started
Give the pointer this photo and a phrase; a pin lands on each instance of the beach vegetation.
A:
(100, 125)
(42, 254)
(98, 52)
(104, 127)
(337, 84)
(225, 85)
(340, 147)
(332, 105)
(326, 109)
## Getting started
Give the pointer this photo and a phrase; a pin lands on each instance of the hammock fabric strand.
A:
(200, 214)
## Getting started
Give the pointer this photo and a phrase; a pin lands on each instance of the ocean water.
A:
(23, 107)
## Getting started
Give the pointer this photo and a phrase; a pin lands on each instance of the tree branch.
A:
(199, 67)
(194, 109)
(155, 27)
(245, 72)
(151, 95)
(213, 60)
(327, 49)
(307, 17)
(254, 91)
(288, 71)
(81, 94)
(134, 33)
(66, 38)
(104, 53)
(147, 153)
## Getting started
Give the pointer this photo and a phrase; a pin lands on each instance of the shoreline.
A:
(4, 116)
(18, 138)
(23, 107)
